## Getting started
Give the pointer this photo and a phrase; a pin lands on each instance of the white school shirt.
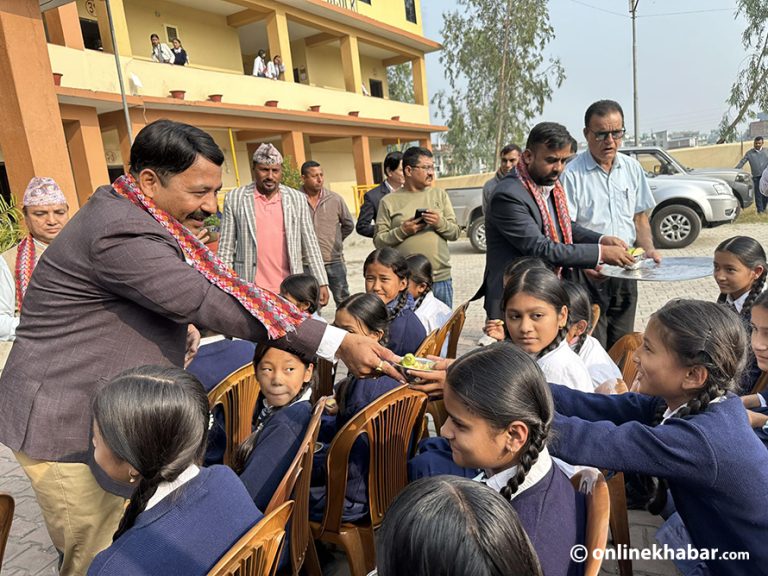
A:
(540, 468)
(432, 312)
(598, 362)
(165, 488)
(739, 302)
(563, 366)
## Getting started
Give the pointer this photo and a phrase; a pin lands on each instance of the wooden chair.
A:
(595, 317)
(325, 372)
(598, 505)
(7, 506)
(622, 353)
(392, 423)
(295, 485)
(257, 551)
(452, 330)
(428, 346)
(237, 395)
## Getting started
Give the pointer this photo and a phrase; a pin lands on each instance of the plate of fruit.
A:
(411, 362)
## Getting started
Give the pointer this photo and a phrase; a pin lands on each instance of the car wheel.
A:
(476, 234)
(675, 226)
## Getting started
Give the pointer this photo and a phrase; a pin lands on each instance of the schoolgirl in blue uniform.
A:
(280, 420)
(500, 412)
(684, 427)
(386, 275)
(363, 314)
(150, 427)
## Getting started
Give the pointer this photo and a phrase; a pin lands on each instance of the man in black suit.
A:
(393, 170)
(528, 216)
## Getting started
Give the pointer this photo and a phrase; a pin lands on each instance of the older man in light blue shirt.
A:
(608, 193)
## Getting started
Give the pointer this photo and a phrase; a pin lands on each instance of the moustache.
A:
(199, 215)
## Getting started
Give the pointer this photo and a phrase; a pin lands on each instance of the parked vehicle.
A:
(684, 204)
(661, 163)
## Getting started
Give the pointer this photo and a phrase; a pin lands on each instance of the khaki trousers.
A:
(80, 515)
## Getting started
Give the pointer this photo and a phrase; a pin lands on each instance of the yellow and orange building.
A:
(335, 53)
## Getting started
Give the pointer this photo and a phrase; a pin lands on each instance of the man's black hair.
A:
(510, 148)
(307, 165)
(392, 161)
(553, 135)
(602, 108)
(412, 155)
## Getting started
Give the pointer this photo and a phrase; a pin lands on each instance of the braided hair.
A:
(420, 270)
(751, 254)
(579, 308)
(303, 288)
(392, 259)
(156, 419)
(243, 452)
(544, 285)
(701, 334)
(502, 384)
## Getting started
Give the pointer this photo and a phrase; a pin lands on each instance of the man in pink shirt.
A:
(267, 231)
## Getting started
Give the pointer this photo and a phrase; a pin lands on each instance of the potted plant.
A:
(213, 225)
(396, 118)
(354, 113)
(178, 94)
(315, 108)
(57, 78)
(271, 103)
(215, 97)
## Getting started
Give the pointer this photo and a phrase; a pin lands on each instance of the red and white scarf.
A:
(25, 263)
(277, 315)
(561, 206)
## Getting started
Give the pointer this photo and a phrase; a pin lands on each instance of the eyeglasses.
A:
(615, 134)
(430, 168)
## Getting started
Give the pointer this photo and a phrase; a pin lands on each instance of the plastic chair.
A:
(237, 395)
(7, 506)
(595, 317)
(325, 373)
(295, 484)
(428, 346)
(452, 330)
(622, 353)
(392, 423)
(598, 505)
(257, 551)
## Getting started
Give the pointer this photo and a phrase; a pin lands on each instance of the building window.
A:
(410, 10)
(171, 32)
(377, 88)
(91, 34)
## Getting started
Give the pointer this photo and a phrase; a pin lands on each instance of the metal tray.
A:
(669, 270)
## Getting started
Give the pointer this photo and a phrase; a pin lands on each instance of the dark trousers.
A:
(337, 281)
(617, 299)
(760, 200)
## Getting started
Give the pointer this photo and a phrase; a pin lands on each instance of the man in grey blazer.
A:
(115, 291)
(267, 231)
(515, 225)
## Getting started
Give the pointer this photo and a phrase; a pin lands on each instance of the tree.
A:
(748, 91)
(400, 82)
(493, 57)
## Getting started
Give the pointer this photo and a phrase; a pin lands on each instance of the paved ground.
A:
(30, 552)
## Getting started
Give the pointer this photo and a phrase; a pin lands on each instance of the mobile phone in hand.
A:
(420, 213)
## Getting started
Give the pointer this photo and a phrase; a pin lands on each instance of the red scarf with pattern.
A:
(277, 315)
(25, 263)
(561, 206)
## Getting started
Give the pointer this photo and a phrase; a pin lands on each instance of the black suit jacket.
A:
(366, 220)
(514, 228)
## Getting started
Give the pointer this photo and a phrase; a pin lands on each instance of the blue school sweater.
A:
(551, 512)
(716, 467)
(359, 393)
(275, 449)
(406, 332)
(186, 532)
(213, 363)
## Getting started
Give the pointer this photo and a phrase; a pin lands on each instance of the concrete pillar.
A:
(31, 131)
(86, 150)
(350, 62)
(280, 41)
(293, 146)
(426, 143)
(117, 119)
(121, 29)
(361, 150)
(420, 93)
(64, 26)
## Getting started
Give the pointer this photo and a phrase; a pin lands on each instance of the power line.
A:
(599, 9)
(684, 13)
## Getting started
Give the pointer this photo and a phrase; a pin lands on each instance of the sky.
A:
(686, 62)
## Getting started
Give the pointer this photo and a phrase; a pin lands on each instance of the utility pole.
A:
(633, 11)
(502, 119)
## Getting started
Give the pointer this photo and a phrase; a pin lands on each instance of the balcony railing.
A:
(348, 4)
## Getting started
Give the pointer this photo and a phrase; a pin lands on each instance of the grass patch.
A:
(750, 216)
